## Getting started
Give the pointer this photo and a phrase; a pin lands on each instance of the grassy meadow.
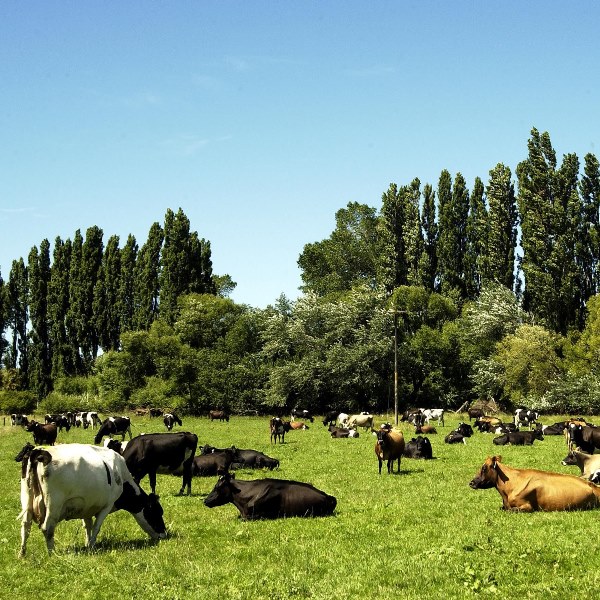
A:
(423, 533)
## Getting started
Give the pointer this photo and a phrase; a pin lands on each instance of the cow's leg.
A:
(152, 478)
(48, 531)
(25, 530)
(88, 523)
(97, 524)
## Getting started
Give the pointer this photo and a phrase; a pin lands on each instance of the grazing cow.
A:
(93, 420)
(79, 481)
(455, 437)
(245, 459)
(170, 419)
(518, 438)
(18, 420)
(215, 463)
(585, 438)
(527, 490)
(301, 414)
(419, 447)
(278, 430)
(475, 413)
(433, 413)
(588, 463)
(43, 434)
(141, 412)
(389, 447)
(414, 416)
(114, 426)
(296, 425)
(271, 498)
(362, 420)
(524, 416)
(155, 412)
(221, 415)
(330, 418)
(115, 445)
(163, 453)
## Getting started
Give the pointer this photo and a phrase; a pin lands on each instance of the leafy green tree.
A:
(3, 318)
(146, 275)
(201, 273)
(502, 228)
(40, 362)
(530, 362)
(348, 257)
(76, 306)
(588, 251)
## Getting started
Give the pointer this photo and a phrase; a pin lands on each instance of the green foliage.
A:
(12, 401)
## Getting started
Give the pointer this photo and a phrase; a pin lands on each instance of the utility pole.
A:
(396, 366)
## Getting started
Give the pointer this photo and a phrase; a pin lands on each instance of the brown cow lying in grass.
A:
(528, 489)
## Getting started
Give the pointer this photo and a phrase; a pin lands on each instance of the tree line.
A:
(494, 291)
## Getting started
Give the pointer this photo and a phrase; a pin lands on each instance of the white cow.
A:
(81, 481)
(342, 419)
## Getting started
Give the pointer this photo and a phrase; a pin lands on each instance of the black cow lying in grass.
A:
(244, 459)
(519, 438)
(270, 498)
(419, 447)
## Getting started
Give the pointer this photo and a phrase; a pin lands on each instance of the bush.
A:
(17, 402)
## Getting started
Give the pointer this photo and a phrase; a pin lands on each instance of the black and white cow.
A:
(525, 416)
(271, 498)
(114, 426)
(170, 419)
(19, 420)
(80, 481)
(163, 453)
(301, 413)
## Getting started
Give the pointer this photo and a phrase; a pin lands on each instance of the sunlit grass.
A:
(421, 533)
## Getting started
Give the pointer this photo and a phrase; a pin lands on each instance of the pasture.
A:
(423, 533)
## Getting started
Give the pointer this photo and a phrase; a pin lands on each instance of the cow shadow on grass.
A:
(103, 546)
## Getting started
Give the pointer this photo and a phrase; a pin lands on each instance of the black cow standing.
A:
(271, 498)
(164, 453)
(114, 426)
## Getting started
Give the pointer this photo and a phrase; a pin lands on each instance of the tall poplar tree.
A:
(58, 307)
(75, 318)
(39, 344)
(393, 270)
(126, 304)
(453, 209)
(588, 251)
(502, 227)
(146, 273)
(106, 307)
(18, 318)
(476, 241)
(413, 233)
(429, 227)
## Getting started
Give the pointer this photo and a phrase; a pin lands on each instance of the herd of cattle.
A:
(88, 482)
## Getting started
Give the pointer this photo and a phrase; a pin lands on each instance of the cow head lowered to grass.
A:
(270, 498)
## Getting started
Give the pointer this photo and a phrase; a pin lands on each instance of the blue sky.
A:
(261, 119)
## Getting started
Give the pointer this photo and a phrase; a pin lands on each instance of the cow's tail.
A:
(32, 497)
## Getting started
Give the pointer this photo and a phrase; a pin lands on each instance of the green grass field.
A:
(423, 533)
